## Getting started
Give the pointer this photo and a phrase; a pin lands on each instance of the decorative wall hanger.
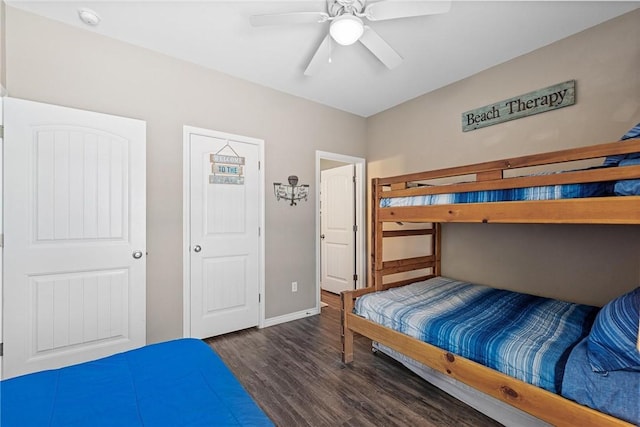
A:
(292, 192)
(226, 168)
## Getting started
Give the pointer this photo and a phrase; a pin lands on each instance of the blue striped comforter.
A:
(524, 336)
(550, 192)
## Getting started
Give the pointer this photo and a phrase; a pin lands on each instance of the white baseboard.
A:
(272, 321)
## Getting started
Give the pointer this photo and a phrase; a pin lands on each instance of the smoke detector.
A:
(89, 17)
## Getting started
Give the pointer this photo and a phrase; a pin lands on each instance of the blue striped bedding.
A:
(615, 392)
(549, 192)
(524, 336)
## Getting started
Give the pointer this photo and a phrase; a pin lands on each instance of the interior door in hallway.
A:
(74, 236)
(337, 222)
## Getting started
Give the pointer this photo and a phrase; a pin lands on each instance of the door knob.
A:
(197, 248)
(137, 254)
(322, 236)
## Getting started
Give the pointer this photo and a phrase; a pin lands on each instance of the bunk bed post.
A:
(436, 242)
(376, 236)
(346, 334)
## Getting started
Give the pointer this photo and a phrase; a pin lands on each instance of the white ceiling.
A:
(437, 50)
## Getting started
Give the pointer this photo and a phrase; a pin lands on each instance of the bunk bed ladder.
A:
(381, 268)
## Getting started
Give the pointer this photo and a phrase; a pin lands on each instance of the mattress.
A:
(524, 336)
(177, 383)
(549, 192)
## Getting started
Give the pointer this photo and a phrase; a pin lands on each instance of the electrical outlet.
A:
(294, 286)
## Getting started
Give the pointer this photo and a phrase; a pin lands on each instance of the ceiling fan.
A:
(347, 25)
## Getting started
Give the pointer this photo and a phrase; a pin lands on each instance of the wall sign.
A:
(226, 169)
(539, 101)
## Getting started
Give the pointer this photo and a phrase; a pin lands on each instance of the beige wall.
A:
(59, 64)
(588, 264)
(3, 39)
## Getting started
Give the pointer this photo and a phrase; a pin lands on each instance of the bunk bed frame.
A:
(538, 402)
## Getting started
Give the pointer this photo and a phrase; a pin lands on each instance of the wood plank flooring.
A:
(330, 298)
(293, 371)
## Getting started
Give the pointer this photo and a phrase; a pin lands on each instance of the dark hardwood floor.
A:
(293, 371)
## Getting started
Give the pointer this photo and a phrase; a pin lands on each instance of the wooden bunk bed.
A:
(536, 401)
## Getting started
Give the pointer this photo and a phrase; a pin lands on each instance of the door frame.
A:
(360, 206)
(186, 215)
(3, 94)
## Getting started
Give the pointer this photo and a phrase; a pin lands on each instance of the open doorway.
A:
(340, 225)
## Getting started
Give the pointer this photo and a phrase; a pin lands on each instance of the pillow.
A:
(614, 336)
(614, 160)
(628, 187)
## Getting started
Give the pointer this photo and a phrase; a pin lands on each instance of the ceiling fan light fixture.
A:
(346, 29)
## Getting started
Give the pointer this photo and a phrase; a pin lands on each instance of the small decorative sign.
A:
(233, 160)
(539, 101)
(225, 179)
(226, 169)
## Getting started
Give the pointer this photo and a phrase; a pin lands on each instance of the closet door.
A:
(74, 228)
(226, 205)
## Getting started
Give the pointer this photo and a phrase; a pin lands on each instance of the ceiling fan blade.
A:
(321, 57)
(380, 48)
(383, 10)
(289, 18)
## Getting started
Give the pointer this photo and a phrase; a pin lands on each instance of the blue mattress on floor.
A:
(176, 383)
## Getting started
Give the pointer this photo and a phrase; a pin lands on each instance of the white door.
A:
(337, 223)
(225, 236)
(74, 235)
